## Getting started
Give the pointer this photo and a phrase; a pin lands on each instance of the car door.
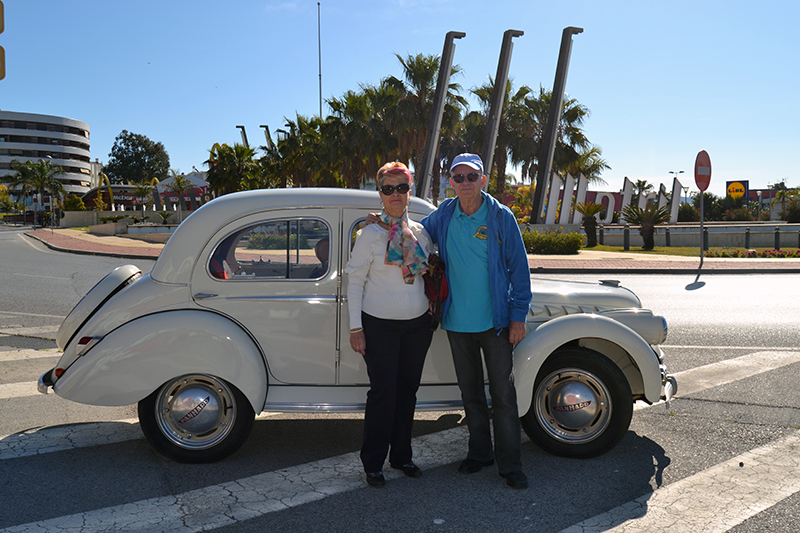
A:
(271, 273)
(438, 369)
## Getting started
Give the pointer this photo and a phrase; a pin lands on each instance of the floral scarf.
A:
(403, 249)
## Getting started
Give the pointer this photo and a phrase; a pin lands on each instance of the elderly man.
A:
(490, 292)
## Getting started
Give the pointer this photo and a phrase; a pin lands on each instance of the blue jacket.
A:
(509, 273)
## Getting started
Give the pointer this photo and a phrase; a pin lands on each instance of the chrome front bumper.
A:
(45, 382)
(669, 385)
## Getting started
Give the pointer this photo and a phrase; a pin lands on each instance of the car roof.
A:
(177, 259)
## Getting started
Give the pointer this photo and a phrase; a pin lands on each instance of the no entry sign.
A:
(702, 170)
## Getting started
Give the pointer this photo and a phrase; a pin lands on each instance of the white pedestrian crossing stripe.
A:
(712, 501)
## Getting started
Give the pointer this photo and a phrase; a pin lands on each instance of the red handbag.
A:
(435, 288)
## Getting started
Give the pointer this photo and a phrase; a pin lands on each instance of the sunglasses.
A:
(459, 178)
(388, 190)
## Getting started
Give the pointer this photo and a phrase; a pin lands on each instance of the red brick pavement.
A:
(65, 243)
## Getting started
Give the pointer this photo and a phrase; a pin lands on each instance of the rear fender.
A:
(135, 359)
(592, 331)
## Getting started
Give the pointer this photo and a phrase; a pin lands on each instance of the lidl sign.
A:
(737, 189)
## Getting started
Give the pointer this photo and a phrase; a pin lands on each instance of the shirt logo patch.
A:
(481, 233)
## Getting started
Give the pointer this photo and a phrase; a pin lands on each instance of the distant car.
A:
(246, 311)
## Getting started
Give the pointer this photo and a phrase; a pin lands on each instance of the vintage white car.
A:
(246, 311)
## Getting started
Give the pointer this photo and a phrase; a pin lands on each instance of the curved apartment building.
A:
(27, 136)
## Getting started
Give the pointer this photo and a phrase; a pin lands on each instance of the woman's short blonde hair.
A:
(395, 168)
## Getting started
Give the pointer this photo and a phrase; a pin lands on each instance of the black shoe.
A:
(409, 469)
(376, 479)
(516, 480)
(470, 466)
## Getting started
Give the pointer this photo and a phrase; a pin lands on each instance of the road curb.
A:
(90, 252)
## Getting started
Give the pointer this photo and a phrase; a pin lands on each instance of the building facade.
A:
(64, 141)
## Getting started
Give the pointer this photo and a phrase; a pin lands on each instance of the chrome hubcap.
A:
(573, 406)
(195, 412)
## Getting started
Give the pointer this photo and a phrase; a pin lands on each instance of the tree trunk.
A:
(590, 227)
(647, 232)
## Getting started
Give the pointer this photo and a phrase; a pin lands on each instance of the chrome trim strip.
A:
(168, 284)
(353, 408)
(284, 298)
(203, 295)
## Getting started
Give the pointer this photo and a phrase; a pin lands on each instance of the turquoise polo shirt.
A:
(470, 309)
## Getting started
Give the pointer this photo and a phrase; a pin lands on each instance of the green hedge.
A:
(552, 242)
(262, 241)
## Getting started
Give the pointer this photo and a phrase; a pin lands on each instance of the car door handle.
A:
(203, 295)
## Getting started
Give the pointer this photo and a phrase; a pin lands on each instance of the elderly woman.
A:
(389, 323)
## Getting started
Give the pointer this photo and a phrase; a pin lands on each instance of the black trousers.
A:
(395, 356)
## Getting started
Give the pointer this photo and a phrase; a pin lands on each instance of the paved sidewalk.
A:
(586, 261)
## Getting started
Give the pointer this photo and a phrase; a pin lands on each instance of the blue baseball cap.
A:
(471, 160)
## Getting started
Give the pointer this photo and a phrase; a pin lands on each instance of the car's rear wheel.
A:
(196, 418)
(582, 404)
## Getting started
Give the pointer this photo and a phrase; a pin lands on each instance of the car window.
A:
(295, 248)
(357, 225)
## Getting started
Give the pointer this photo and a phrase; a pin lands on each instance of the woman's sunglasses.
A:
(388, 190)
(459, 178)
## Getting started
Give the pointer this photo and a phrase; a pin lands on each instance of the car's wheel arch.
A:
(132, 361)
(617, 342)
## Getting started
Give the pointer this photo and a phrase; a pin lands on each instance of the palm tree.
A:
(19, 182)
(232, 168)
(179, 185)
(142, 193)
(410, 116)
(590, 164)
(589, 210)
(355, 139)
(301, 150)
(646, 219)
(512, 125)
(642, 187)
(526, 148)
(40, 176)
(784, 194)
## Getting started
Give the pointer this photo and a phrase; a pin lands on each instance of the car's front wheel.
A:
(582, 404)
(196, 418)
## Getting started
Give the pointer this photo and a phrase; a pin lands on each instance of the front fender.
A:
(138, 357)
(537, 346)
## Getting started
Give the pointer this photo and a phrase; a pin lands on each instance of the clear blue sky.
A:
(663, 80)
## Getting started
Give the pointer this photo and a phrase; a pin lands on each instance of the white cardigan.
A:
(377, 288)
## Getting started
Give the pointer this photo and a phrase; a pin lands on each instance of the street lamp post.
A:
(675, 173)
(685, 194)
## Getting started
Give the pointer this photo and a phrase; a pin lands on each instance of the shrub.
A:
(552, 242)
(767, 254)
(688, 213)
(791, 213)
(74, 203)
(165, 215)
(7, 206)
(113, 218)
(262, 241)
(737, 213)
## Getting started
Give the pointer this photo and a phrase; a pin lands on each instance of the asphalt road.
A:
(723, 458)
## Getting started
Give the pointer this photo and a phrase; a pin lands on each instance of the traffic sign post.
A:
(702, 177)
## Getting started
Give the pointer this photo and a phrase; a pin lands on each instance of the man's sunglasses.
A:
(459, 178)
(388, 190)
